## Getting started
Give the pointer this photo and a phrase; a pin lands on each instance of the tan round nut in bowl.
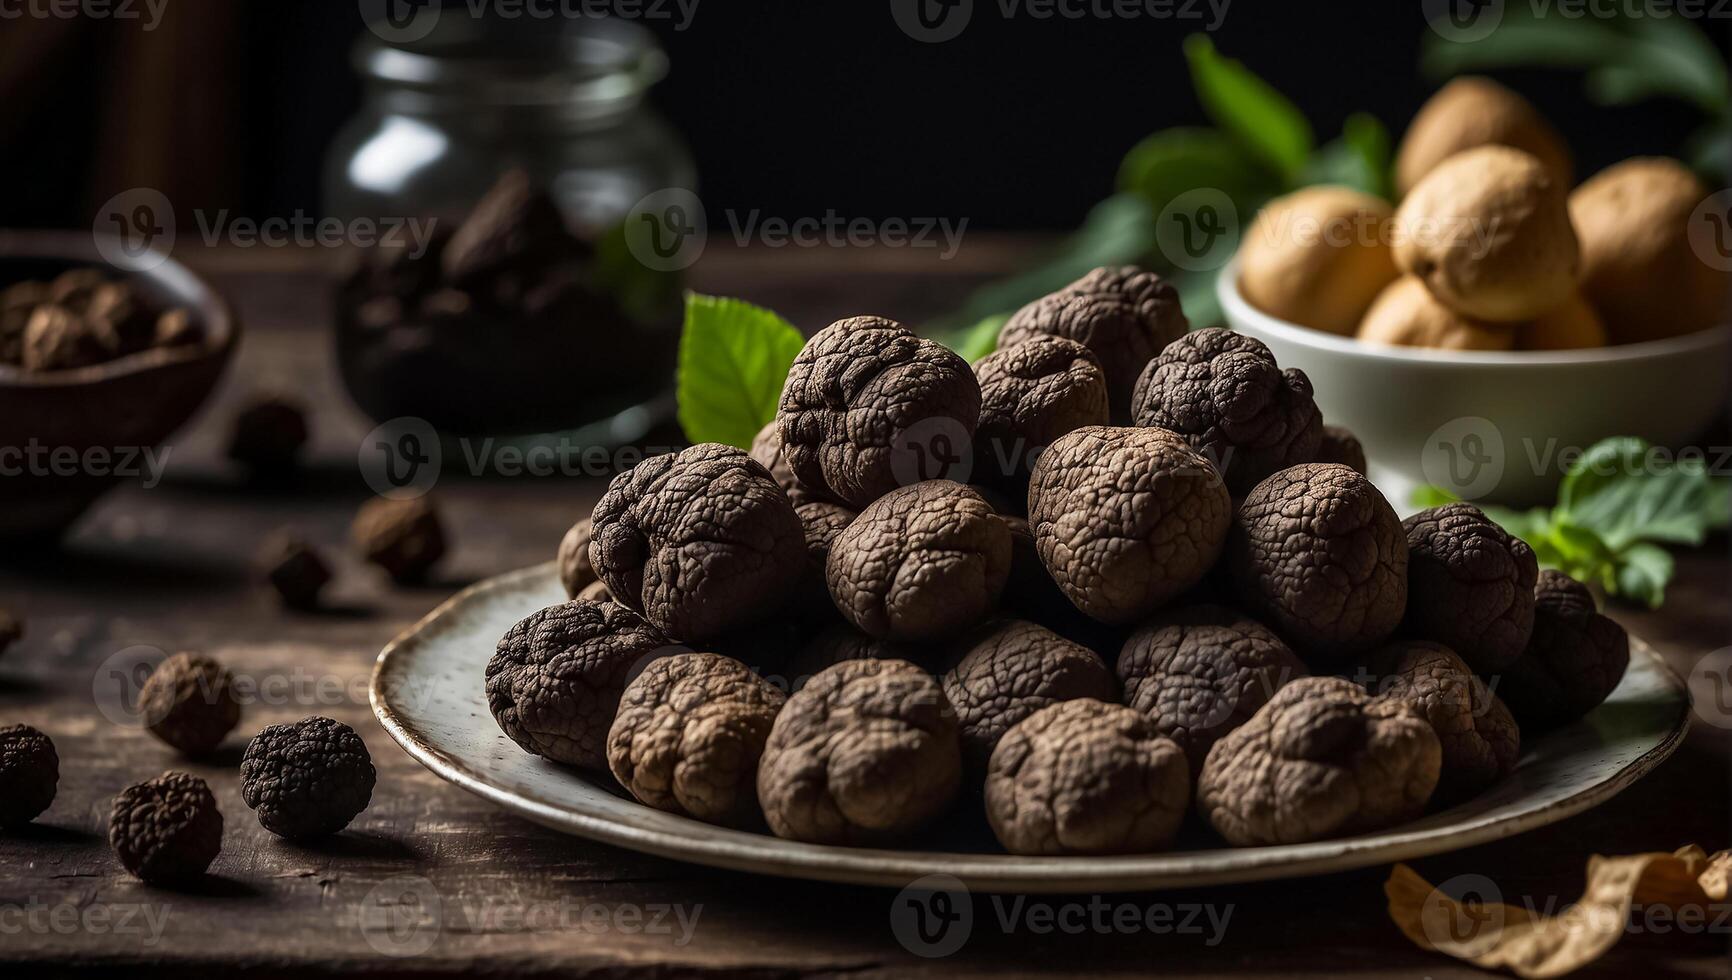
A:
(1574, 325)
(867, 752)
(1011, 670)
(1086, 777)
(920, 563)
(688, 736)
(1406, 314)
(1473, 111)
(1479, 738)
(1126, 518)
(1488, 232)
(1638, 267)
(1318, 554)
(1346, 762)
(1318, 257)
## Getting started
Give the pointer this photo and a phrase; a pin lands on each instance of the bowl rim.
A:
(1235, 306)
(222, 327)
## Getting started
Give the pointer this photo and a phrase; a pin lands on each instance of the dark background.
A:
(790, 106)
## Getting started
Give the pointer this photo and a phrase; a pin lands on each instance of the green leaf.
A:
(1173, 161)
(1709, 150)
(1258, 116)
(1198, 298)
(1626, 494)
(979, 340)
(1642, 573)
(1118, 231)
(1359, 158)
(1427, 496)
(734, 358)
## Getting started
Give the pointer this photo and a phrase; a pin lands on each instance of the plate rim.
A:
(756, 853)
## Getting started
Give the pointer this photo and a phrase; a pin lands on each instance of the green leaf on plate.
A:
(1259, 117)
(1642, 573)
(734, 358)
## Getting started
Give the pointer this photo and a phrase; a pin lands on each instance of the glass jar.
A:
(442, 118)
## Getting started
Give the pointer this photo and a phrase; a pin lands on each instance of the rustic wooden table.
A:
(432, 880)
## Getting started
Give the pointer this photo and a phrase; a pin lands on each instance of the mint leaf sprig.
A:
(1619, 506)
(734, 358)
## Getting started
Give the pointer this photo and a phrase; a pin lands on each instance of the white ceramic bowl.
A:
(1495, 425)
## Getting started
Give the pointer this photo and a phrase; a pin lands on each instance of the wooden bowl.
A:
(55, 427)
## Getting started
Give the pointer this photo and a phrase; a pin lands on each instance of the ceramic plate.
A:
(427, 692)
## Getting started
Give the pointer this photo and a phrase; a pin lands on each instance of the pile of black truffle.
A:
(1170, 589)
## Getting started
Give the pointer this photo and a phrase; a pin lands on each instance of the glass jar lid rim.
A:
(516, 61)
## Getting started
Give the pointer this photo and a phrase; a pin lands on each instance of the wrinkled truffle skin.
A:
(1030, 394)
(29, 774)
(1480, 739)
(699, 542)
(1086, 777)
(1224, 394)
(1126, 519)
(1321, 759)
(404, 537)
(1339, 445)
(307, 779)
(294, 569)
(853, 392)
(1123, 314)
(1199, 672)
(920, 563)
(767, 450)
(1574, 659)
(1470, 585)
(167, 829)
(555, 681)
(189, 702)
(1318, 554)
(575, 571)
(688, 736)
(866, 753)
(823, 522)
(1010, 671)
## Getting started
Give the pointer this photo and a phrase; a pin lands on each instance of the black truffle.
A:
(189, 702)
(307, 779)
(29, 774)
(167, 829)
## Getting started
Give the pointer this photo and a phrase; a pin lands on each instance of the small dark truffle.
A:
(307, 779)
(29, 774)
(189, 702)
(1123, 314)
(294, 569)
(1223, 393)
(555, 680)
(404, 537)
(167, 829)
(1480, 739)
(575, 571)
(268, 435)
(1011, 670)
(1470, 585)
(1030, 394)
(1573, 661)
(11, 628)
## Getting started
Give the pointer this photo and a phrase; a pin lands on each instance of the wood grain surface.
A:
(430, 880)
